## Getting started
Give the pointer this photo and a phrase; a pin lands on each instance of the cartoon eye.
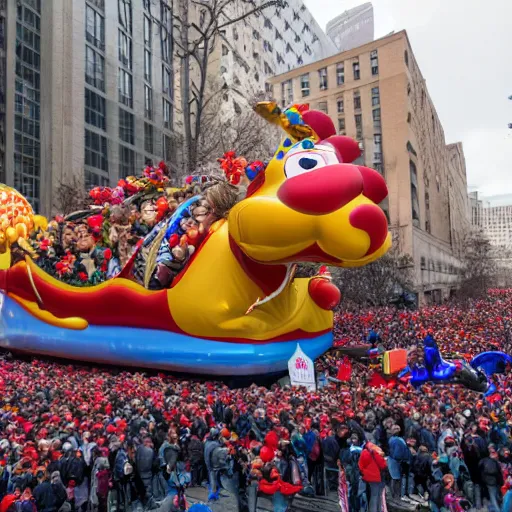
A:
(301, 163)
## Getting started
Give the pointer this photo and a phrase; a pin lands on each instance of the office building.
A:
(89, 92)
(275, 41)
(353, 28)
(377, 94)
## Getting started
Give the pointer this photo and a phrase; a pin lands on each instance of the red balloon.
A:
(266, 454)
(325, 294)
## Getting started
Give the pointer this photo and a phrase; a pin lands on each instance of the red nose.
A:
(322, 191)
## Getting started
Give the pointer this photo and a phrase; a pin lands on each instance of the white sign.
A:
(302, 370)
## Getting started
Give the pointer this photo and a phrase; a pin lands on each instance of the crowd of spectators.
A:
(93, 439)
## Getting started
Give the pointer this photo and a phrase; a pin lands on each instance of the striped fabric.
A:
(343, 490)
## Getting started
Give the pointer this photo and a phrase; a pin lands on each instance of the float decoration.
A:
(164, 277)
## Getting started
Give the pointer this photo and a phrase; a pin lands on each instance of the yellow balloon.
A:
(21, 230)
(12, 236)
(40, 222)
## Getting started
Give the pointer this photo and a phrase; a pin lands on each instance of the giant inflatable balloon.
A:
(441, 371)
(193, 279)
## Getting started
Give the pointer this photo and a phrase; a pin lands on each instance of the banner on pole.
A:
(302, 370)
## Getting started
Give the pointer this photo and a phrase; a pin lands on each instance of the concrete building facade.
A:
(89, 90)
(376, 94)
(352, 28)
(276, 40)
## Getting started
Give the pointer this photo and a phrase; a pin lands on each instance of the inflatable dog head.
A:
(311, 203)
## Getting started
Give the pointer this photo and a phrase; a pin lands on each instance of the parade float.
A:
(196, 279)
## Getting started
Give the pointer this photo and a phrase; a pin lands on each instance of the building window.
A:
(379, 167)
(287, 92)
(423, 263)
(359, 126)
(166, 32)
(147, 31)
(357, 100)
(94, 28)
(406, 58)
(357, 71)
(341, 125)
(375, 96)
(94, 68)
(166, 80)
(125, 14)
(125, 50)
(374, 62)
(414, 194)
(126, 126)
(126, 161)
(340, 105)
(148, 102)
(167, 114)
(322, 78)
(225, 50)
(147, 66)
(322, 105)
(377, 148)
(169, 148)
(148, 138)
(304, 84)
(376, 119)
(340, 73)
(95, 109)
(96, 151)
(125, 86)
(93, 179)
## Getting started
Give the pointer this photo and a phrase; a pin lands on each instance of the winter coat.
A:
(195, 451)
(398, 449)
(491, 472)
(371, 464)
(209, 446)
(49, 497)
(331, 450)
(422, 465)
(168, 455)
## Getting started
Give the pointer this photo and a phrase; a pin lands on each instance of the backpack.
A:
(75, 470)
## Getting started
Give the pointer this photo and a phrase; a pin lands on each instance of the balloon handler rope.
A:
(290, 272)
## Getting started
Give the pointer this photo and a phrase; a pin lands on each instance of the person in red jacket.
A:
(371, 464)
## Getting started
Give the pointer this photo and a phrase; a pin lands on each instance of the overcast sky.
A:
(464, 50)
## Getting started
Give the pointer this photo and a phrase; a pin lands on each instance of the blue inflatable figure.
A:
(438, 370)
(492, 362)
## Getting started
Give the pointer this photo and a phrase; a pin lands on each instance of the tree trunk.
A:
(185, 82)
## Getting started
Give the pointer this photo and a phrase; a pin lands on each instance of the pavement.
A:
(300, 504)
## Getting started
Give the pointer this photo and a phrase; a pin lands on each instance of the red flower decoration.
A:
(107, 254)
(83, 276)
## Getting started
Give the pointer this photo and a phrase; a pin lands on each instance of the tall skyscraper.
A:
(89, 92)
(353, 28)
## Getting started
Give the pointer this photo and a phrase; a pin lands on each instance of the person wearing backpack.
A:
(371, 464)
(73, 469)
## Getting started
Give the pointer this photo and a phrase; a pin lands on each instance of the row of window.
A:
(438, 267)
(323, 80)
(96, 156)
(27, 149)
(340, 103)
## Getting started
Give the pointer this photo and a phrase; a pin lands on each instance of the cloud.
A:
(463, 50)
